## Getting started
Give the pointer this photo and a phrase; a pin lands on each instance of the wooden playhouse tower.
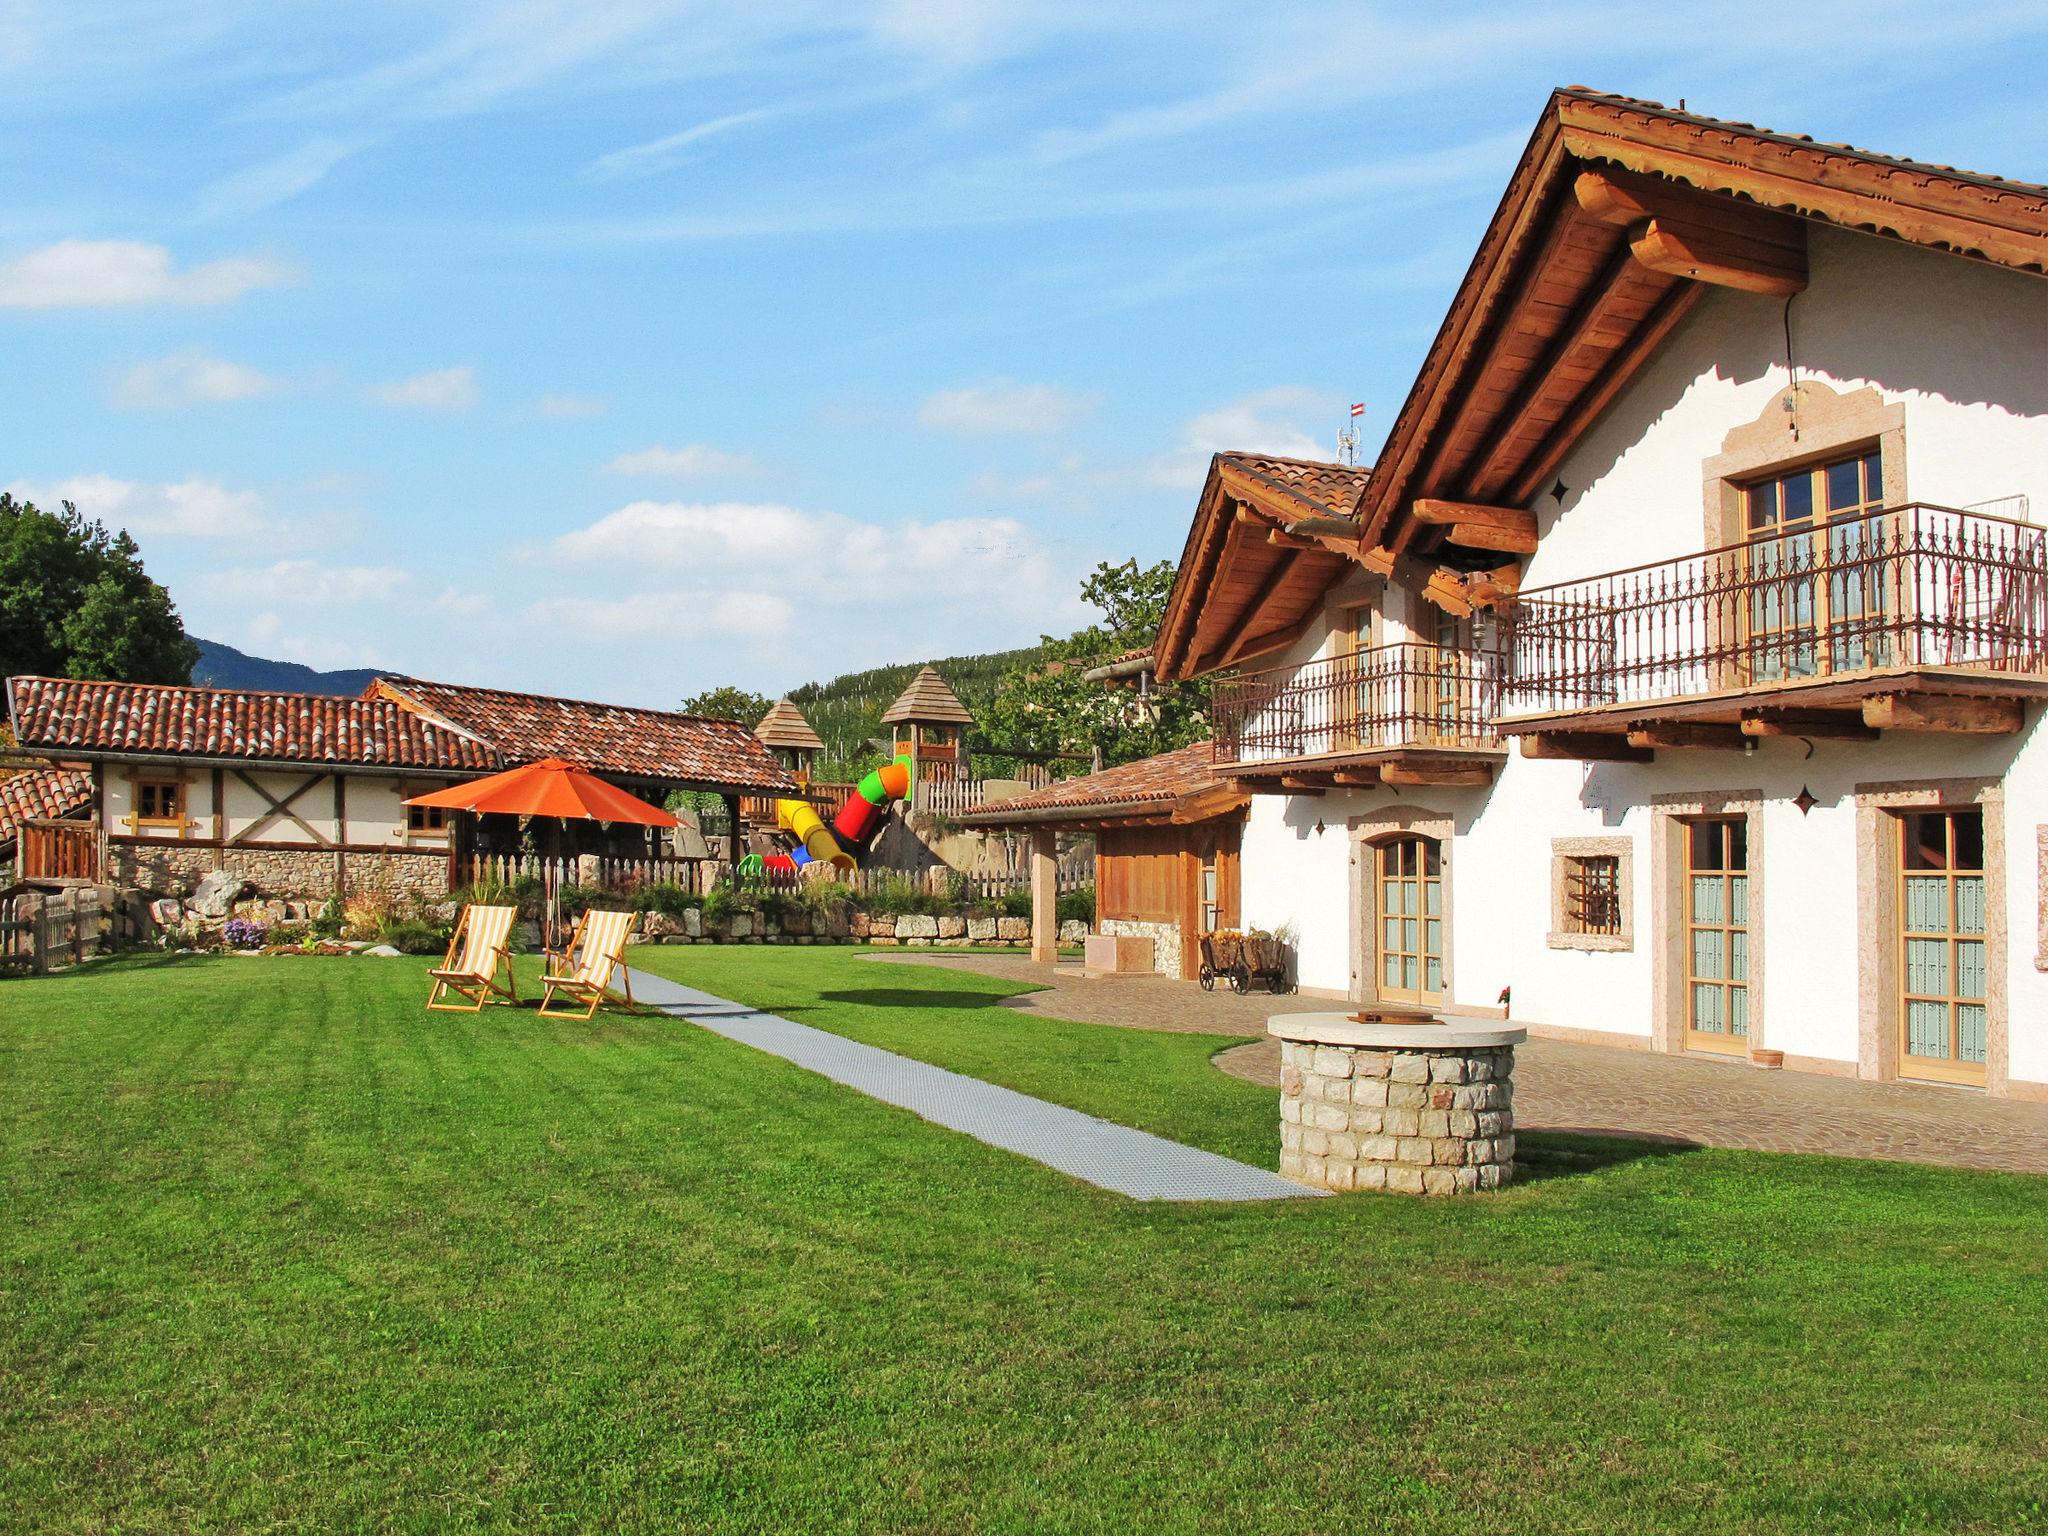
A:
(785, 732)
(930, 726)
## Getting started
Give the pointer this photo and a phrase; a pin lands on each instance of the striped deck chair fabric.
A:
(593, 957)
(478, 951)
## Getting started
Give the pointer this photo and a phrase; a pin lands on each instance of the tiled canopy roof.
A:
(1152, 785)
(785, 726)
(649, 744)
(1324, 489)
(58, 716)
(927, 699)
(44, 792)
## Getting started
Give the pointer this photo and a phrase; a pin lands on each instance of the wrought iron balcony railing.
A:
(1404, 695)
(1904, 588)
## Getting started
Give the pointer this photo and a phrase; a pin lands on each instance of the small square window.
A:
(1592, 894)
(425, 818)
(160, 801)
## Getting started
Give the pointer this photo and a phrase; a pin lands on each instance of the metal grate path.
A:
(1098, 1152)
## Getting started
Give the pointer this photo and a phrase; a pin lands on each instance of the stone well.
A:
(1424, 1107)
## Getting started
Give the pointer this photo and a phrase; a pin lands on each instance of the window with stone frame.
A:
(1590, 893)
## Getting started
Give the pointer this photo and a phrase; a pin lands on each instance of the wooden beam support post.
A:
(1045, 896)
(1650, 735)
(1944, 712)
(1448, 775)
(1583, 747)
(1806, 722)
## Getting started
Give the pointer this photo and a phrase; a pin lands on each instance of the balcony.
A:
(1913, 618)
(1395, 714)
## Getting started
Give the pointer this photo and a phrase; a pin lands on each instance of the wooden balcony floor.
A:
(1363, 767)
(1962, 698)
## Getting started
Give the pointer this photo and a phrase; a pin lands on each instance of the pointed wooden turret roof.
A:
(928, 701)
(785, 726)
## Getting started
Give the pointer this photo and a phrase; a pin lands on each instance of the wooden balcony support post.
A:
(1650, 735)
(1045, 896)
(1584, 747)
(1448, 775)
(1821, 724)
(1943, 712)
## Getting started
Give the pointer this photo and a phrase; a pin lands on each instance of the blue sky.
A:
(625, 349)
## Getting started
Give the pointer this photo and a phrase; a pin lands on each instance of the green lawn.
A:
(281, 1252)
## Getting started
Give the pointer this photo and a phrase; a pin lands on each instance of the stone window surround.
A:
(1563, 850)
(1829, 425)
(1368, 830)
(1877, 956)
(1668, 970)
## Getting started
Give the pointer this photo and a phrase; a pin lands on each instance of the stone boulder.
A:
(167, 912)
(1073, 931)
(859, 925)
(380, 951)
(915, 925)
(1013, 928)
(980, 929)
(882, 927)
(216, 895)
(693, 922)
(952, 927)
(277, 911)
(445, 911)
(658, 925)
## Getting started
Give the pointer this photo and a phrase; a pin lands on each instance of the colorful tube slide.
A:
(851, 830)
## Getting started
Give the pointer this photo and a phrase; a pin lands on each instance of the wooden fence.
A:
(36, 933)
(59, 850)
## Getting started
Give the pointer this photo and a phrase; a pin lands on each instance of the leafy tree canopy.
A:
(728, 703)
(1049, 707)
(76, 602)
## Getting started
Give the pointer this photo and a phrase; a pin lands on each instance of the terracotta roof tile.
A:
(605, 738)
(57, 716)
(785, 726)
(40, 793)
(1329, 490)
(1161, 780)
(927, 699)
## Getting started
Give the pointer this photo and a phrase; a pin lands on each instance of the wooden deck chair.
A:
(585, 969)
(478, 950)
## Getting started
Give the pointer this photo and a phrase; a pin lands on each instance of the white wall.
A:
(375, 809)
(1960, 345)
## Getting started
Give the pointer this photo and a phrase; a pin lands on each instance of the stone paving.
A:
(1561, 1086)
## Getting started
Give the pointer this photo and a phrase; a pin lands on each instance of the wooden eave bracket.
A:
(1709, 237)
(1583, 747)
(1509, 530)
(1944, 712)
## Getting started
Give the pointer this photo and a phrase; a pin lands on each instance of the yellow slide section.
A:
(800, 819)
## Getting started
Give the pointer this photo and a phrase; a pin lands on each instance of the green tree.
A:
(1050, 707)
(76, 602)
(726, 702)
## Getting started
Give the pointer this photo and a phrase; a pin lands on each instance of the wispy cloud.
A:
(570, 407)
(757, 616)
(657, 155)
(1003, 405)
(438, 389)
(1280, 420)
(107, 274)
(302, 582)
(692, 461)
(279, 179)
(194, 509)
(191, 377)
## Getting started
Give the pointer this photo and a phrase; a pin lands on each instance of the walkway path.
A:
(1560, 1086)
(1112, 1157)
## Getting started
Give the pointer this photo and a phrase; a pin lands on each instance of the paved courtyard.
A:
(1560, 1086)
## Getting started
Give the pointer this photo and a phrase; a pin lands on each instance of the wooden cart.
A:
(1244, 960)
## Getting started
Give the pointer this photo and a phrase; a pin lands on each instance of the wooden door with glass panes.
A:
(1717, 934)
(1943, 961)
(1814, 571)
(1410, 888)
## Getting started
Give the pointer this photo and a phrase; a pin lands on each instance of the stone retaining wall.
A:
(1423, 1122)
(289, 874)
(909, 931)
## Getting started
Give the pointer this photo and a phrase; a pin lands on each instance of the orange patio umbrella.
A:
(550, 787)
(553, 788)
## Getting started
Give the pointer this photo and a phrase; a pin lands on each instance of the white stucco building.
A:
(1674, 678)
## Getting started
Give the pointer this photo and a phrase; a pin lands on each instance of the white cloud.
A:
(196, 509)
(104, 274)
(1267, 421)
(438, 389)
(662, 154)
(277, 180)
(668, 615)
(692, 461)
(310, 583)
(570, 407)
(1003, 405)
(191, 377)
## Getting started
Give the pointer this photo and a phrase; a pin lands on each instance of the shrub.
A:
(327, 923)
(899, 895)
(1017, 903)
(1077, 906)
(367, 915)
(282, 935)
(725, 900)
(524, 892)
(409, 936)
(668, 898)
(240, 933)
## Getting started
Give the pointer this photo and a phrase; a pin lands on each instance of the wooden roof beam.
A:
(1511, 530)
(1822, 724)
(1448, 775)
(1709, 255)
(1583, 747)
(1651, 735)
(1943, 712)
